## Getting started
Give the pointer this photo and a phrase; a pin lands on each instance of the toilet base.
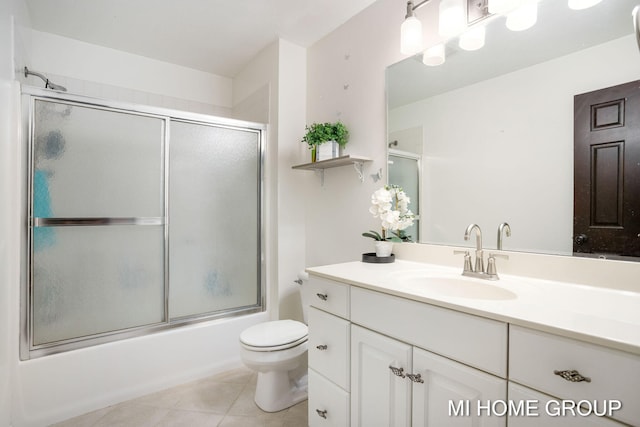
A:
(276, 390)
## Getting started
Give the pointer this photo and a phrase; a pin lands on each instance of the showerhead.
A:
(55, 86)
(47, 84)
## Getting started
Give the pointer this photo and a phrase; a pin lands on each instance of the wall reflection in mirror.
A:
(488, 136)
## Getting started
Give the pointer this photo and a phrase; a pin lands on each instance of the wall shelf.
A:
(356, 161)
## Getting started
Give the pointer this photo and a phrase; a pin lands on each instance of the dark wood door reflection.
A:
(607, 171)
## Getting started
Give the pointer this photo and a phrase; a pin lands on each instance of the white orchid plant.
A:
(391, 205)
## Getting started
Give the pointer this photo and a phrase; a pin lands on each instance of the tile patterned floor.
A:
(223, 400)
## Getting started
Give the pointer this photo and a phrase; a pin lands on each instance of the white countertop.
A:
(598, 315)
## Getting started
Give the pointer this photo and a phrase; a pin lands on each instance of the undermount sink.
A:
(450, 285)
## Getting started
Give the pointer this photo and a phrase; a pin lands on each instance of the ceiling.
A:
(216, 36)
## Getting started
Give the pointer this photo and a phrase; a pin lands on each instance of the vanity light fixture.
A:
(451, 20)
(582, 4)
(434, 56)
(411, 31)
(524, 17)
(501, 7)
(473, 38)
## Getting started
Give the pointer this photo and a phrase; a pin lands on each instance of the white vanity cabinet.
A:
(400, 361)
(329, 353)
(395, 382)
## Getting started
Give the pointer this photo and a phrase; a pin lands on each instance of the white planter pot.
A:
(328, 150)
(383, 248)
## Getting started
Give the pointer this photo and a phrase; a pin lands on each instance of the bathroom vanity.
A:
(415, 344)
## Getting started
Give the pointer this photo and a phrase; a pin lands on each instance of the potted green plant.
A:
(320, 133)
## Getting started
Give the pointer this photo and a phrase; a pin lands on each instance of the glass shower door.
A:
(97, 217)
(404, 170)
(214, 208)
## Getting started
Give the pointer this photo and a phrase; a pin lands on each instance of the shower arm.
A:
(47, 83)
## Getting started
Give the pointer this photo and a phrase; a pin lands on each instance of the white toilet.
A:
(277, 350)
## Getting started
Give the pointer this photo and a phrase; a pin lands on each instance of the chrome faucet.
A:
(503, 228)
(478, 271)
(479, 266)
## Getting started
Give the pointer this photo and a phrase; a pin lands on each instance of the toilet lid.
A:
(274, 333)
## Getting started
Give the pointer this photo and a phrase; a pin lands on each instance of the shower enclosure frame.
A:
(29, 96)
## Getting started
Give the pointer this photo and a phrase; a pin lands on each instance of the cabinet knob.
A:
(321, 347)
(416, 378)
(323, 297)
(321, 413)
(398, 372)
(572, 376)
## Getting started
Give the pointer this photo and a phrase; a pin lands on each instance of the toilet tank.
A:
(305, 294)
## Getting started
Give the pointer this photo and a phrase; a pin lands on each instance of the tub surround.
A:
(608, 316)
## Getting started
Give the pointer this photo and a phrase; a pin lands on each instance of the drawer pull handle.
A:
(323, 297)
(416, 378)
(322, 414)
(398, 372)
(573, 376)
(321, 347)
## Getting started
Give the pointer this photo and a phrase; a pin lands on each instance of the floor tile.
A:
(222, 400)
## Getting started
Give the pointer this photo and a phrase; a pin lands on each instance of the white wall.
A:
(11, 11)
(280, 70)
(516, 126)
(346, 81)
(96, 71)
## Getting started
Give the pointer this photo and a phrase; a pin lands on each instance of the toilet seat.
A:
(274, 335)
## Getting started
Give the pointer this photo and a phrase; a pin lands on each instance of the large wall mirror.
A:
(488, 136)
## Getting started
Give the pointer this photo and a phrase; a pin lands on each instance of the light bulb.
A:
(582, 4)
(523, 17)
(472, 39)
(452, 18)
(502, 6)
(434, 55)
(411, 36)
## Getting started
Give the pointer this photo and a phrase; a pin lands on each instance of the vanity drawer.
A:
(473, 340)
(328, 403)
(329, 346)
(614, 375)
(329, 295)
(548, 412)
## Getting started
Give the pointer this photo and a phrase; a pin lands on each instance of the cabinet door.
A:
(450, 393)
(379, 397)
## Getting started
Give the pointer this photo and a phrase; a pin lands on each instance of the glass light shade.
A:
(452, 18)
(411, 36)
(523, 17)
(582, 4)
(434, 56)
(472, 39)
(503, 6)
